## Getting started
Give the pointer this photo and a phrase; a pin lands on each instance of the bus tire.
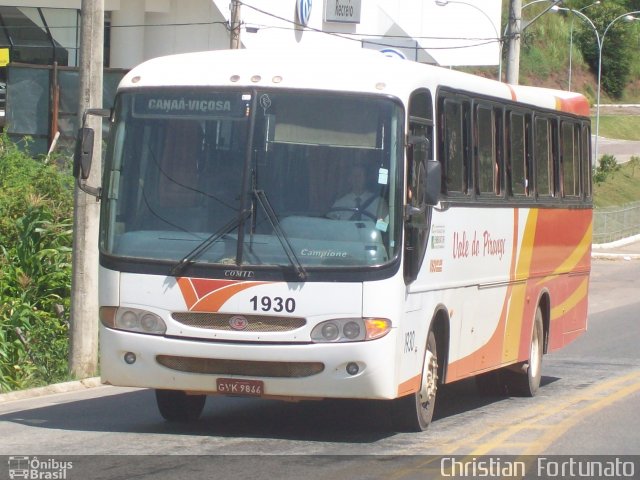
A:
(177, 406)
(524, 379)
(413, 413)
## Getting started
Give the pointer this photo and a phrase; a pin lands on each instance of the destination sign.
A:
(167, 104)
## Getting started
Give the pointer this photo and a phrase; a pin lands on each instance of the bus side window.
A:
(421, 140)
(542, 160)
(517, 165)
(585, 157)
(453, 152)
(569, 160)
(487, 151)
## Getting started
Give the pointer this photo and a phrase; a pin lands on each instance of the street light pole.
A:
(600, 42)
(627, 16)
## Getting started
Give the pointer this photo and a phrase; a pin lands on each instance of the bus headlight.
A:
(350, 330)
(132, 320)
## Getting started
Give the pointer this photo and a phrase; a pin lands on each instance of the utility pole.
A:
(83, 349)
(235, 24)
(513, 59)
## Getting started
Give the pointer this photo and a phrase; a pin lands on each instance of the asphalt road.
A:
(587, 405)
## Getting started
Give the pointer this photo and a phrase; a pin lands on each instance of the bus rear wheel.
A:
(177, 406)
(413, 413)
(524, 379)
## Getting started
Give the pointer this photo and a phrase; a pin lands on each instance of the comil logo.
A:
(40, 469)
(238, 322)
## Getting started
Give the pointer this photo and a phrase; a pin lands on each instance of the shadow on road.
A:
(342, 421)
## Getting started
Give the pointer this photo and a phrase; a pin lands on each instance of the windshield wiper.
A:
(264, 202)
(188, 259)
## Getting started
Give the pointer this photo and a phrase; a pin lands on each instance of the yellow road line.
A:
(501, 432)
(557, 430)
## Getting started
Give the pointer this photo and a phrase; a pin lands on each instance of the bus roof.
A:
(351, 70)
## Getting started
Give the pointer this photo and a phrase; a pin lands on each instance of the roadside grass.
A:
(622, 127)
(619, 188)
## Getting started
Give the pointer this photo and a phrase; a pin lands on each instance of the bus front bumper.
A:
(311, 371)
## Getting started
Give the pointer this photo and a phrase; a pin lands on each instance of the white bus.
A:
(298, 226)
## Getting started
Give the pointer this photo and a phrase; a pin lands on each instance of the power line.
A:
(299, 26)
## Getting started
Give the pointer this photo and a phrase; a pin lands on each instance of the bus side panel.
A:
(492, 301)
(468, 270)
(560, 264)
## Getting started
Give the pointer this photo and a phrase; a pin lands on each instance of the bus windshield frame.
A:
(200, 181)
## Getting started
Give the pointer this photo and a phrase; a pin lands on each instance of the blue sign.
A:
(392, 52)
(304, 11)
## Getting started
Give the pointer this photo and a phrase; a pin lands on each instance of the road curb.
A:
(616, 244)
(50, 389)
(615, 256)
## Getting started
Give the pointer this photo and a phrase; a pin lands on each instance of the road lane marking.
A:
(500, 434)
(556, 431)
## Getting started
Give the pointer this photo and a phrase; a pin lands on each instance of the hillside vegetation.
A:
(545, 49)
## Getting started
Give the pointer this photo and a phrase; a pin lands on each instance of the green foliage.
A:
(634, 163)
(35, 269)
(619, 189)
(618, 47)
(607, 165)
(545, 48)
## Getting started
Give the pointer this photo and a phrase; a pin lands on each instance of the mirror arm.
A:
(94, 191)
(410, 210)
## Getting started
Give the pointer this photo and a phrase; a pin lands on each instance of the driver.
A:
(359, 203)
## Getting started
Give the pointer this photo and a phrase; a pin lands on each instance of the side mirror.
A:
(83, 153)
(82, 157)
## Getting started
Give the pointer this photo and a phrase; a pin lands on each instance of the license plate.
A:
(232, 386)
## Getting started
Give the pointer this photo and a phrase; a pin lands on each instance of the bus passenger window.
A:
(569, 161)
(542, 159)
(517, 156)
(488, 169)
(585, 160)
(454, 148)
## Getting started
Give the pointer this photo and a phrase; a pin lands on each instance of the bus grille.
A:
(223, 321)
(213, 366)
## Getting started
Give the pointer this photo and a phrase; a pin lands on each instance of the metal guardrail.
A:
(613, 223)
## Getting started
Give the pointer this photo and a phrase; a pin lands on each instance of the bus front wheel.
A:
(177, 406)
(413, 413)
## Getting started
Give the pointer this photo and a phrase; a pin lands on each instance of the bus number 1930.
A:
(275, 304)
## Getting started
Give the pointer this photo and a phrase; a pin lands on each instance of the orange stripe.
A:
(410, 386)
(188, 291)
(208, 295)
(214, 300)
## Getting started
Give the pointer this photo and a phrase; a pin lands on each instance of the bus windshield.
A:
(253, 178)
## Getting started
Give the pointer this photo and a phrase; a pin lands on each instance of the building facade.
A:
(444, 32)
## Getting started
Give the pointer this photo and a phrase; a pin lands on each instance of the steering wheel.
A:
(354, 211)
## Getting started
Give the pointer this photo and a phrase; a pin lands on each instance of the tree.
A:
(617, 50)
